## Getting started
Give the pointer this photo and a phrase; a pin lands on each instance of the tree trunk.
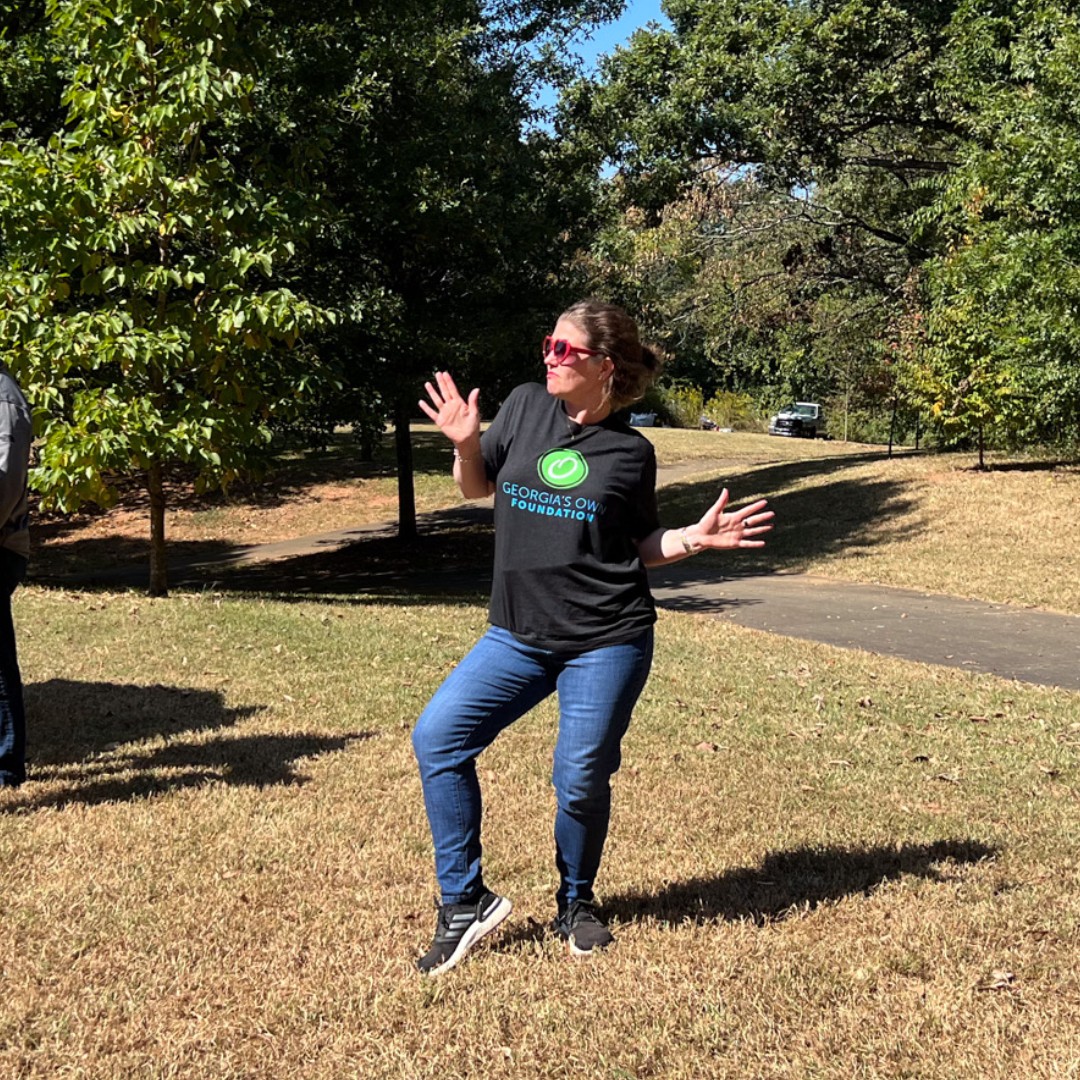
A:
(982, 447)
(406, 494)
(159, 571)
(892, 426)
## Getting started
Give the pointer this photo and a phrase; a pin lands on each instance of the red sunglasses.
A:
(564, 352)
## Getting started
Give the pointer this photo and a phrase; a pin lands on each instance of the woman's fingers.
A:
(754, 516)
(758, 521)
(447, 386)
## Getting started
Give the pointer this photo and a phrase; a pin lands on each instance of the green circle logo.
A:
(562, 468)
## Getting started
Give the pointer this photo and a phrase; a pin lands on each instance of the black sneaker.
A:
(582, 928)
(459, 928)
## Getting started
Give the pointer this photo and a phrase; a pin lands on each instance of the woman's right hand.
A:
(458, 418)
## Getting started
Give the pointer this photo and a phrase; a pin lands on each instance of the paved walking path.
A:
(1012, 642)
(999, 639)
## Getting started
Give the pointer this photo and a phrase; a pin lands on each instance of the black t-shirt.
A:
(569, 503)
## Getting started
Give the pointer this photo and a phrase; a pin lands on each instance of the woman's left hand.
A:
(739, 529)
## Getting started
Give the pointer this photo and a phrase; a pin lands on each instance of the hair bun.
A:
(651, 359)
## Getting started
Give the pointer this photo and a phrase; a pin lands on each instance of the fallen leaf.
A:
(707, 747)
(997, 980)
(947, 778)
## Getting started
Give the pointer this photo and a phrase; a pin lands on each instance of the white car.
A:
(805, 419)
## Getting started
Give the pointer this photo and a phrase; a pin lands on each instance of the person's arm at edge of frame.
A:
(15, 439)
(458, 419)
(716, 531)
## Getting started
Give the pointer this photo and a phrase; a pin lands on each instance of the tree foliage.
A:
(1002, 346)
(812, 140)
(214, 215)
(139, 302)
(447, 230)
(912, 167)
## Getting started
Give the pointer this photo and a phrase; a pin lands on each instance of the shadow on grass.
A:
(87, 737)
(450, 563)
(451, 560)
(1055, 465)
(792, 882)
(842, 515)
(120, 560)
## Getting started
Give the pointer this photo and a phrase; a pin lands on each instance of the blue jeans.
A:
(12, 713)
(499, 681)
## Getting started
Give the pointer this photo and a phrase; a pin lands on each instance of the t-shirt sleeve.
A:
(644, 513)
(495, 442)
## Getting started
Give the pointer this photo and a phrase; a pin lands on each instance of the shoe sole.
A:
(476, 933)
(575, 951)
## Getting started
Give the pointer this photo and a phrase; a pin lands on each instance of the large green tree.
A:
(138, 301)
(1000, 355)
(919, 163)
(449, 222)
(811, 139)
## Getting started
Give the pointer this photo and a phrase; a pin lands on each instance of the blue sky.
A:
(638, 13)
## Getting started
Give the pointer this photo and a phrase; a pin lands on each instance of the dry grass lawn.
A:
(921, 521)
(822, 863)
(931, 522)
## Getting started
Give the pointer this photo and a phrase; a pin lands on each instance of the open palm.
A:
(458, 418)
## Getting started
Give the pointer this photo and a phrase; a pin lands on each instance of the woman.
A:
(575, 526)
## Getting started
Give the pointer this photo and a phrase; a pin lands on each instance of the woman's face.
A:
(580, 378)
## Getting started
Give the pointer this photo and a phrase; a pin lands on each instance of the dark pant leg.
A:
(12, 710)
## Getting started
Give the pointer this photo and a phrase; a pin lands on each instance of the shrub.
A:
(732, 410)
(679, 406)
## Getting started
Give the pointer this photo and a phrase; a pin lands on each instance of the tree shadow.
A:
(693, 602)
(1062, 465)
(291, 477)
(849, 515)
(111, 559)
(450, 562)
(70, 721)
(87, 736)
(795, 881)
